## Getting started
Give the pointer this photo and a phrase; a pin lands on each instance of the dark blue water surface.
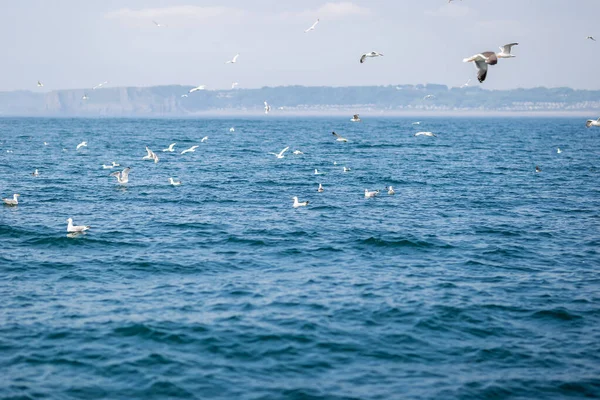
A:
(479, 279)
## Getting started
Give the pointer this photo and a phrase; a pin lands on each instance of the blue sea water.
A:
(479, 279)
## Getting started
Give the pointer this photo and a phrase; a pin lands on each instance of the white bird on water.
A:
(233, 60)
(190, 150)
(317, 172)
(104, 166)
(80, 145)
(298, 204)
(558, 150)
(13, 201)
(173, 182)
(339, 138)
(204, 139)
(267, 107)
(355, 118)
(346, 169)
(426, 134)
(312, 27)
(76, 228)
(171, 147)
(371, 54)
(122, 176)
(150, 155)
(505, 51)
(35, 173)
(391, 191)
(370, 194)
(320, 189)
(417, 123)
(281, 153)
(297, 152)
(232, 129)
(114, 164)
(201, 87)
(589, 123)
(98, 86)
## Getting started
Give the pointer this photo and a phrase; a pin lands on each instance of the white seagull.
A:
(589, 123)
(190, 150)
(174, 182)
(370, 194)
(425, 134)
(312, 28)
(98, 86)
(482, 61)
(267, 107)
(40, 84)
(297, 152)
(320, 189)
(159, 25)
(298, 204)
(232, 129)
(184, 95)
(558, 150)
(13, 201)
(417, 123)
(171, 147)
(429, 96)
(150, 155)
(80, 145)
(339, 138)
(465, 84)
(505, 51)
(391, 191)
(233, 60)
(76, 228)
(234, 84)
(317, 172)
(114, 164)
(355, 118)
(346, 169)
(35, 173)
(201, 87)
(281, 153)
(371, 54)
(104, 166)
(204, 139)
(122, 176)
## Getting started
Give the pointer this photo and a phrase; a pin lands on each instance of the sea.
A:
(478, 279)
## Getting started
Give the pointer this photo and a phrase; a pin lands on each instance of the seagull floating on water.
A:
(297, 152)
(425, 134)
(122, 176)
(104, 166)
(589, 123)
(170, 148)
(482, 61)
(13, 201)
(201, 87)
(538, 169)
(371, 54)
(371, 194)
(317, 172)
(232, 129)
(355, 118)
(505, 51)
(267, 107)
(233, 60)
(190, 150)
(35, 173)
(558, 150)
(312, 27)
(174, 182)
(390, 191)
(281, 153)
(80, 145)
(320, 189)
(76, 228)
(346, 169)
(298, 204)
(339, 138)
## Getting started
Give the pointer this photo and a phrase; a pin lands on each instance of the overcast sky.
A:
(77, 44)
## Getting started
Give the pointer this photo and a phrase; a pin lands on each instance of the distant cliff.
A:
(168, 100)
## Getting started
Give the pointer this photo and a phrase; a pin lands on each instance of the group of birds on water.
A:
(482, 61)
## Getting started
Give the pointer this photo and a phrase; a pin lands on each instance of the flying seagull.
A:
(190, 150)
(122, 176)
(40, 84)
(297, 152)
(204, 139)
(80, 145)
(13, 201)
(201, 87)
(234, 60)
(355, 118)
(267, 107)
(312, 28)
(170, 148)
(98, 86)
(298, 204)
(76, 228)
(589, 123)
(429, 96)
(184, 95)
(159, 25)
(482, 61)
(234, 84)
(339, 138)
(425, 134)
(465, 84)
(281, 153)
(505, 51)
(589, 37)
(371, 54)
(150, 155)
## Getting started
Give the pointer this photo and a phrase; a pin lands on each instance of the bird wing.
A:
(508, 47)
(482, 69)
(362, 58)
(588, 123)
(235, 57)
(125, 173)
(283, 151)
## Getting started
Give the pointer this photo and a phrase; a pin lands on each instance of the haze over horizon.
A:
(75, 45)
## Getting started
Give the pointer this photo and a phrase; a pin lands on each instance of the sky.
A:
(69, 44)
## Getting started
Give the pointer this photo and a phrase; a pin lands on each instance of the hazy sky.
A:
(77, 44)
